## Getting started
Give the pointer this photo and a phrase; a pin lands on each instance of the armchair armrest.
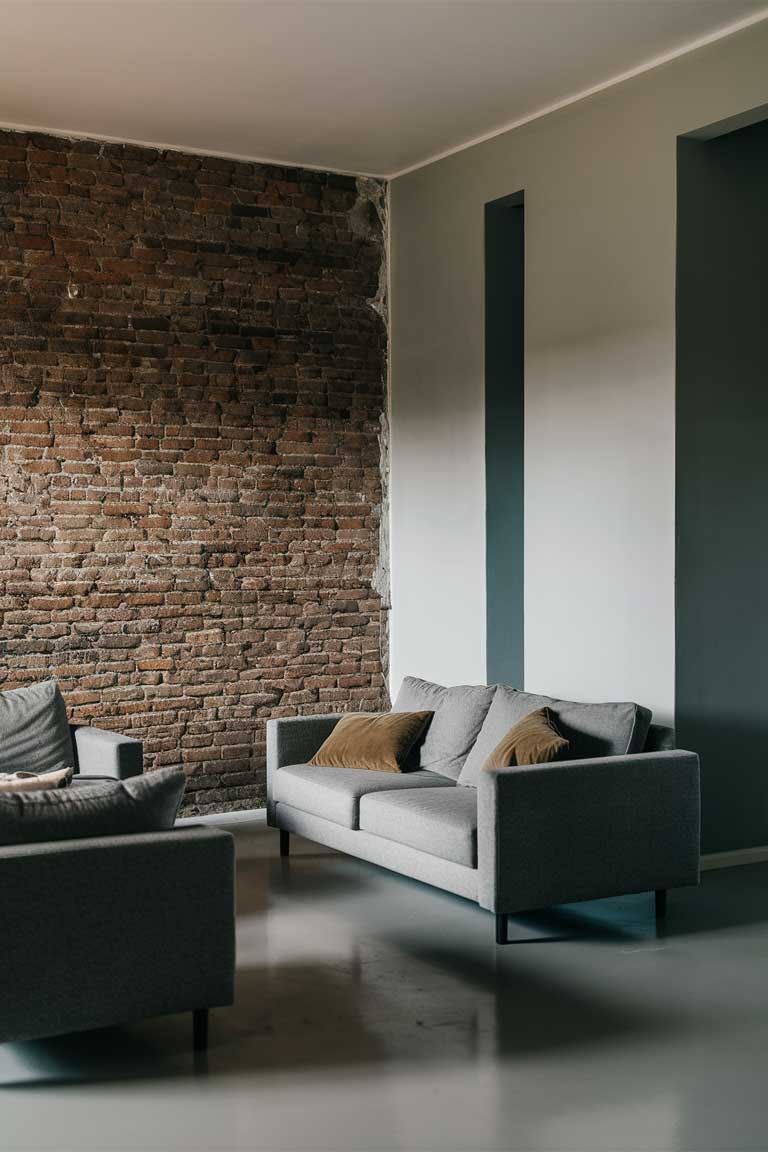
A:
(102, 753)
(294, 740)
(583, 829)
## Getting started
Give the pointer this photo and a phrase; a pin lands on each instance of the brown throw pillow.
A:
(533, 740)
(377, 743)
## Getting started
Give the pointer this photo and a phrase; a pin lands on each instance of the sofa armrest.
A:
(102, 753)
(294, 740)
(113, 928)
(583, 829)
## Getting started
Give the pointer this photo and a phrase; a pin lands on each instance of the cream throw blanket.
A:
(34, 782)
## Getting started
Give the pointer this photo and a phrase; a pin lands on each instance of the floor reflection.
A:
(373, 1012)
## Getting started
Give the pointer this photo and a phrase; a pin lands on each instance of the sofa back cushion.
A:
(458, 717)
(614, 729)
(103, 808)
(34, 732)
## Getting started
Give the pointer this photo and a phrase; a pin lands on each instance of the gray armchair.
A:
(111, 929)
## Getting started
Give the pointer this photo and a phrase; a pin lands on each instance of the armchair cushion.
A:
(34, 733)
(458, 717)
(592, 730)
(107, 808)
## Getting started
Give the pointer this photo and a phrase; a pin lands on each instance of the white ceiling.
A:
(370, 86)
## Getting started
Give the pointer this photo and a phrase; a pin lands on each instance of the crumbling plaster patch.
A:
(371, 212)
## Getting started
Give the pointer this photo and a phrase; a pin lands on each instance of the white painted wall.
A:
(599, 426)
(437, 477)
(599, 182)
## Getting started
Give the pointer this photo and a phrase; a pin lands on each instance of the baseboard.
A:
(756, 855)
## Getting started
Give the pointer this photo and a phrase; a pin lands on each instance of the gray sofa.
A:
(111, 929)
(511, 839)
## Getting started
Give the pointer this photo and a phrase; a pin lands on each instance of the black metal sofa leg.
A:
(501, 928)
(200, 1029)
(285, 842)
(661, 903)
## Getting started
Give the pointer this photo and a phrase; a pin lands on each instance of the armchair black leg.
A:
(661, 903)
(285, 842)
(501, 928)
(200, 1029)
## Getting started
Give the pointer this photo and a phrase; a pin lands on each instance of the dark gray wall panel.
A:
(504, 428)
(722, 479)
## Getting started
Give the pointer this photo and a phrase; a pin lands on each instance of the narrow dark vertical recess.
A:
(722, 479)
(504, 440)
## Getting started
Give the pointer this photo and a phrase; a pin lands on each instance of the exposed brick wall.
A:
(192, 377)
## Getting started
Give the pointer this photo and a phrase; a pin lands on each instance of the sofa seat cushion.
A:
(614, 729)
(441, 821)
(335, 793)
(458, 717)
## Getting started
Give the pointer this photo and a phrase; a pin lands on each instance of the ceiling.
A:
(369, 86)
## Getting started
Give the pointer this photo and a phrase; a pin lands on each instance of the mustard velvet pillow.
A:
(535, 739)
(377, 743)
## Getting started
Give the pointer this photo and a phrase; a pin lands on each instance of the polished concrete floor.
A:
(374, 1013)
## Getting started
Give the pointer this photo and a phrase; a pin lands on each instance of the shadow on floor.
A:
(344, 965)
(384, 1003)
(727, 898)
(150, 1051)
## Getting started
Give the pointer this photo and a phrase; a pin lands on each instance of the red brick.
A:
(190, 450)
